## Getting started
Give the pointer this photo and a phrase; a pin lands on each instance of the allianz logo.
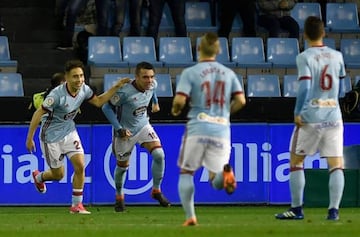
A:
(252, 162)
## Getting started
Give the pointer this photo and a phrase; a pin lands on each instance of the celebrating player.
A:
(127, 112)
(58, 134)
(214, 92)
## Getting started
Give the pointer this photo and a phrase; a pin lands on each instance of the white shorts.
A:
(327, 138)
(54, 152)
(123, 148)
(210, 152)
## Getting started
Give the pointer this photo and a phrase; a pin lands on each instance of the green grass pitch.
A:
(154, 221)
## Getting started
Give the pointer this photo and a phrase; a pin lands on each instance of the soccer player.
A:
(127, 112)
(318, 119)
(214, 92)
(58, 134)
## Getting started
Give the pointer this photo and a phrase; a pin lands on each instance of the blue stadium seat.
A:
(248, 53)
(290, 85)
(111, 79)
(6, 63)
(345, 86)
(350, 49)
(282, 52)
(330, 42)
(11, 85)
(164, 88)
(342, 17)
(104, 56)
(140, 48)
(263, 85)
(224, 54)
(198, 19)
(175, 53)
(303, 10)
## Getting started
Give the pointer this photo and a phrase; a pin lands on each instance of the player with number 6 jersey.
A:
(318, 119)
(320, 70)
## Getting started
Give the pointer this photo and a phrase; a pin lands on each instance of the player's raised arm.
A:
(99, 100)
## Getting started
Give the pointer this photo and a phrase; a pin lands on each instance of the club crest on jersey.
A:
(49, 101)
(115, 99)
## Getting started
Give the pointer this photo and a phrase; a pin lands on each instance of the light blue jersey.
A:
(62, 108)
(319, 72)
(131, 107)
(210, 86)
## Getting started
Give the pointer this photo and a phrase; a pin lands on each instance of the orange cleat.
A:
(190, 222)
(229, 179)
(79, 209)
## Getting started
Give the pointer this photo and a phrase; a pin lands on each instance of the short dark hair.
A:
(74, 63)
(143, 65)
(313, 28)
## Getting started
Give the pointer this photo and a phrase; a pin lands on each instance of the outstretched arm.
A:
(100, 100)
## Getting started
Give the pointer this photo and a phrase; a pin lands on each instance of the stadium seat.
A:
(104, 56)
(198, 19)
(223, 56)
(290, 85)
(345, 86)
(11, 85)
(303, 10)
(175, 53)
(330, 42)
(282, 52)
(137, 49)
(342, 17)
(342, 21)
(249, 55)
(263, 85)
(111, 79)
(6, 64)
(350, 49)
(164, 88)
